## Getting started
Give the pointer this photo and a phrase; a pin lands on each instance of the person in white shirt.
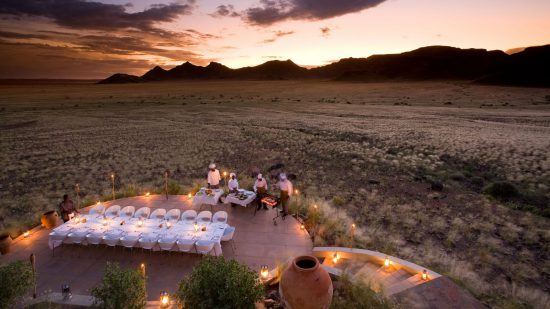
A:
(233, 183)
(285, 187)
(213, 177)
(260, 187)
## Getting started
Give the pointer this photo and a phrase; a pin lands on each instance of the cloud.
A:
(273, 11)
(276, 35)
(225, 10)
(94, 15)
(325, 31)
(17, 35)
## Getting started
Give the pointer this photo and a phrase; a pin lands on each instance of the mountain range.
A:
(529, 67)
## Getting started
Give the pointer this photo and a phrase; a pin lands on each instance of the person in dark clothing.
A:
(66, 208)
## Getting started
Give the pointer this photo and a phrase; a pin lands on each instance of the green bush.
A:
(503, 191)
(350, 295)
(174, 187)
(16, 279)
(218, 283)
(120, 288)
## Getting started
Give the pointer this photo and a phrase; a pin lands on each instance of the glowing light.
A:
(97, 203)
(315, 206)
(424, 275)
(140, 223)
(142, 267)
(26, 234)
(387, 262)
(113, 176)
(302, 226)
(196, 226)
(189, 195)
(224, 174)
(353, 226)
(164, 299)
(147, 194)
(335, 258)
(296, 191)
(168, 224)
(264, 271)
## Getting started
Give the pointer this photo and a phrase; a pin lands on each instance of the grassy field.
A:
(407, 162)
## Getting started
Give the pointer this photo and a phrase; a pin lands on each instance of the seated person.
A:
(233, 183)
(66, 207)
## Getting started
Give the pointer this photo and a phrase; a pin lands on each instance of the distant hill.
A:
(524, 68)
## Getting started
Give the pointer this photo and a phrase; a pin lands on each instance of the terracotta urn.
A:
(50, 219)
(305, 284)
(5, 243)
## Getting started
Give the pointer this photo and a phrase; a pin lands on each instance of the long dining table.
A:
(152, 228)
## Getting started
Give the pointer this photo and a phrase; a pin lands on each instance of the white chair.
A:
(111, 239)
(76, 237)
(127, 212)
(227, 236)
(98, 209)
(189, 216)
(158, 213)
(142, 213)
(147, 242)
(220, 217)
(112, 211)
(130, 240)
(204, 246)
(94, 238)
(173, 214)
(166, 243)
(185, 244)
(204, 216)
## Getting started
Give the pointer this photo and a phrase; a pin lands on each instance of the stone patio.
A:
(257, 242)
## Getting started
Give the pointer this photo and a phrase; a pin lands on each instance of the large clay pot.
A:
(50, 219)
(305, 285)
(5, 243)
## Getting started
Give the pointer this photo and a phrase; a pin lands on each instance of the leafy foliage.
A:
(502, 190)
(218, 283)
(16, 278)
(351, 295)
(121, 288)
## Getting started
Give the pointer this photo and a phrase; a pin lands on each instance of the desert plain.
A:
(409, 163)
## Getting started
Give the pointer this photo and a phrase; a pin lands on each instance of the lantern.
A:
(424, 275)
(196, 226)
(302, 226)
(26, 234)
(142, 268)
(164, 299)
(147, 194)
(264, 271)
(335, 258)
(387, 262)
(189, 195)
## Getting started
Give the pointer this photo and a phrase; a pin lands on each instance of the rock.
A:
(436, 186)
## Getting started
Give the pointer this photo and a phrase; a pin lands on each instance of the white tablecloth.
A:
(202, 198)
(232, 198)
(151, 228)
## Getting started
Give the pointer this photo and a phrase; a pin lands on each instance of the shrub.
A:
(120, 288)
(16, 278)
(503, 191)
(174, 187)
(219, 283)
(349, 295)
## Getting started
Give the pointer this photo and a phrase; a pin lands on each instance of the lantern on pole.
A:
(113, 182)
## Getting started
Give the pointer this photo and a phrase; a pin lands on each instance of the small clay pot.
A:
(305, 285)
(50, 219)
(5, 243)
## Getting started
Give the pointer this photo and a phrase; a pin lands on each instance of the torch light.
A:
(142, 268)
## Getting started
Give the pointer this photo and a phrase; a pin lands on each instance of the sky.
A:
(92, 39)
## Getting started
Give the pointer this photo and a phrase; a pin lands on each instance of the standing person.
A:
(260, 187)
(233, 183)
(213, 177)
(285, 186)
(66, 207)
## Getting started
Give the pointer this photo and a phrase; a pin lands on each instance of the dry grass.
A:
(369, 161)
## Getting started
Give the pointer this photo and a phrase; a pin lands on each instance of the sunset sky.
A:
(94, 39)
